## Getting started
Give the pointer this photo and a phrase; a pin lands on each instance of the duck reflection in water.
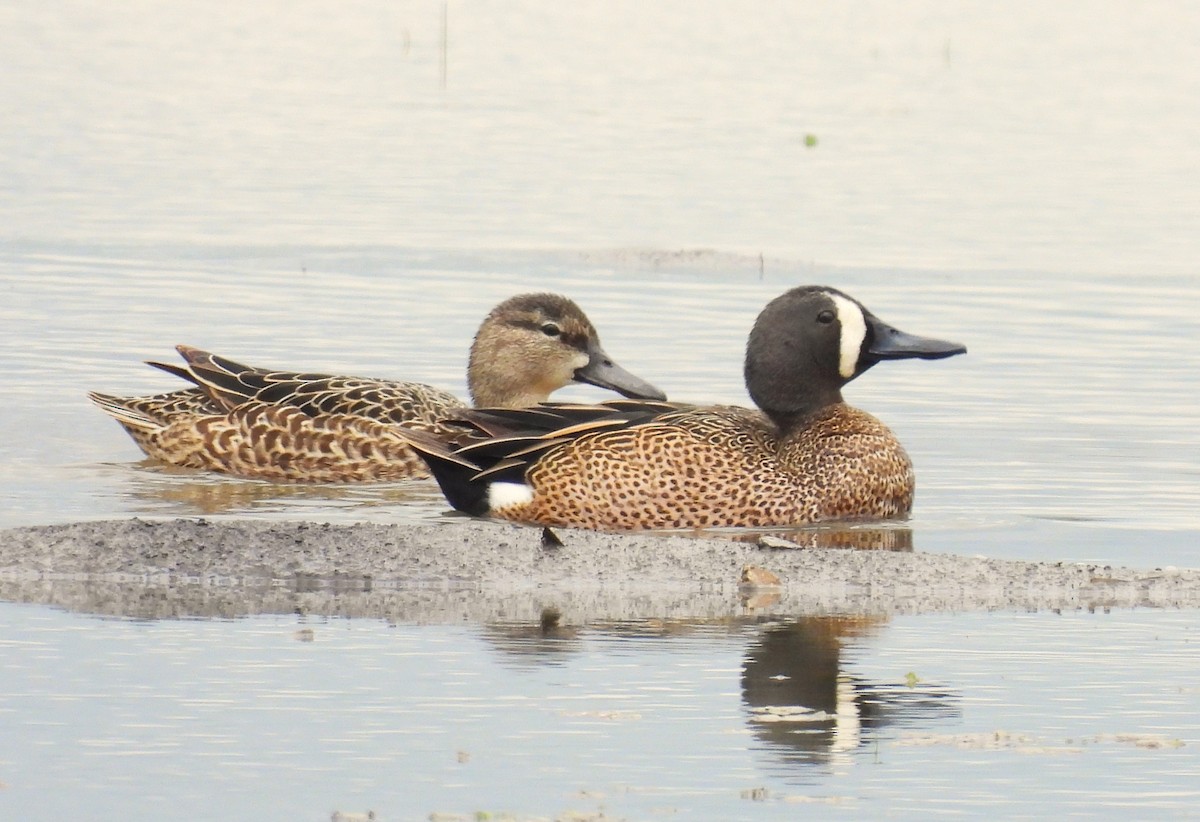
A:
(167, 490)
(547, 642)
(800, 700)
(808, 709)
(853, 536)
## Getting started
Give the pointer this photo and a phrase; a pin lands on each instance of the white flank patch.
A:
(854, 333)
(503, 494)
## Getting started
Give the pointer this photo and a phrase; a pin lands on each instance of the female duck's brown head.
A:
(531, 345)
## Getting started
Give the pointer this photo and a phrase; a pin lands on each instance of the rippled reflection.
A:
(885, 536)
(545, 642)
(164, 490)
(802, 699)
(808, 707)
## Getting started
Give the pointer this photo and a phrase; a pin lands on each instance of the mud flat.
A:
(488, 571)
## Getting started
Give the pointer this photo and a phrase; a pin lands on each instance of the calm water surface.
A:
(350, 189)
(287, 718)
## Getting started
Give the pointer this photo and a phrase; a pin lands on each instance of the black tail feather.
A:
(454, 475)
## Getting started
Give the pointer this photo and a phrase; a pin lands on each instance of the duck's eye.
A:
(826, 317)
(551, 330)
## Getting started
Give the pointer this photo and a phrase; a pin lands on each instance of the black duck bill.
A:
(890, 343)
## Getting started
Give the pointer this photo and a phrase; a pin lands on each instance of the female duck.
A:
(807, 457)
(298, 427)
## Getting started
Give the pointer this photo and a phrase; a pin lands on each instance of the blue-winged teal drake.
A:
(626, 465)
(300, 427)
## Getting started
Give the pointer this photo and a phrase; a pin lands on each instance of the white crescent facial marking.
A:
(500, 495)
(854, 333)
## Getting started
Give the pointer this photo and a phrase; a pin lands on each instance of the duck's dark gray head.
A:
(809, 342)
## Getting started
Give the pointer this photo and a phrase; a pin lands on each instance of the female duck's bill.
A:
(807, 457)
(603, 372)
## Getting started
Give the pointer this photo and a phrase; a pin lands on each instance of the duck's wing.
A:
(232, 383)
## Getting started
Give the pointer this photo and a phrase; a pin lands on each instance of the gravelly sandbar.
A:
(494, 571)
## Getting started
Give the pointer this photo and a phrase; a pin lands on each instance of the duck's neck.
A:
(798, 414)
(493, 393)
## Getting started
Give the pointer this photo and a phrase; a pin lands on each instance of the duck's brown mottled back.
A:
(719, 466)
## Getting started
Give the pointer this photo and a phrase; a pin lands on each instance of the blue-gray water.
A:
(303, 186)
